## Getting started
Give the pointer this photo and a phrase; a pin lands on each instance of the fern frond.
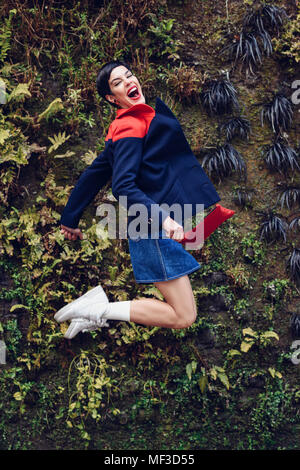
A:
(4, 134)
(5, 36)
(57, 140)
(154, 291)
(68, 154)
(55, 106)
(19, 92)
(89, 157)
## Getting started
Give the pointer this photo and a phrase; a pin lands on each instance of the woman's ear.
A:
(110, 98)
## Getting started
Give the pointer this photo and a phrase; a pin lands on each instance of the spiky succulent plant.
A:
(243, 196)
(237, 126)
(266, 42)
(278, 112)
(257, 26)
(245, 47)
(265, 18)
(290, 195)
(273, 227)
(295, 325)
(280, 157)
(293, 266)
(273, 16)
(219, 97)
(222, 161)
(295, 223)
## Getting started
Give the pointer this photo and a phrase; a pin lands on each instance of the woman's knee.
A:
(179, 295)
(185, 320)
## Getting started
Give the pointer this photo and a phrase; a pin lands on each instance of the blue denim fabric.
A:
(159, 259)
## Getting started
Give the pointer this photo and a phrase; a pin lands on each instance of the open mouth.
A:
(133, 93)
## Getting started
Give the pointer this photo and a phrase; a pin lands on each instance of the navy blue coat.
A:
(150, 161)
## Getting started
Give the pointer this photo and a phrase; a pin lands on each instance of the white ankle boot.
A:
(90, 306)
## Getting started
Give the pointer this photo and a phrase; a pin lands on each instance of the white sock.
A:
(118, 311)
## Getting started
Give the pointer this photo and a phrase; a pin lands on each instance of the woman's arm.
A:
(88, 185)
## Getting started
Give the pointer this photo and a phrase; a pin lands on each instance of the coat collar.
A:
(136, 108)
(160, 107)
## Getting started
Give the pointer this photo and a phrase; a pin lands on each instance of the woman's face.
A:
(125, 87)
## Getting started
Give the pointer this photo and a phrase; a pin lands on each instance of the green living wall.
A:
(231, 380)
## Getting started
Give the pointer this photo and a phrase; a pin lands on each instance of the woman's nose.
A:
(127, 80)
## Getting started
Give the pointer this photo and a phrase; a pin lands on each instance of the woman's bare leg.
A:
(179, 310)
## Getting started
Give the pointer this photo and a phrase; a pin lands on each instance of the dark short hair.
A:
(102, 84)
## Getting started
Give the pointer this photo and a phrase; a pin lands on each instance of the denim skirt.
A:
(159, 259)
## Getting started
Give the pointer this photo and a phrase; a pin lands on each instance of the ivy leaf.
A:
(202, 383)
(249, 332)
(233, 352)
(246, 345)
(189, 371)
(224, 379)
(270, 334)
(18, 396)
(274, 373)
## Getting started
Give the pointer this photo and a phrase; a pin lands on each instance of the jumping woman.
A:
(149, 161)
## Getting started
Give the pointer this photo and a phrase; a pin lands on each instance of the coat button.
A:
(149, 220)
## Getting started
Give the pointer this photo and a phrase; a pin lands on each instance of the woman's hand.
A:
(173, 229)
(71, 233)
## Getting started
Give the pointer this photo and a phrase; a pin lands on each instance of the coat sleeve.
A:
(128, 139)
(93, 178)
